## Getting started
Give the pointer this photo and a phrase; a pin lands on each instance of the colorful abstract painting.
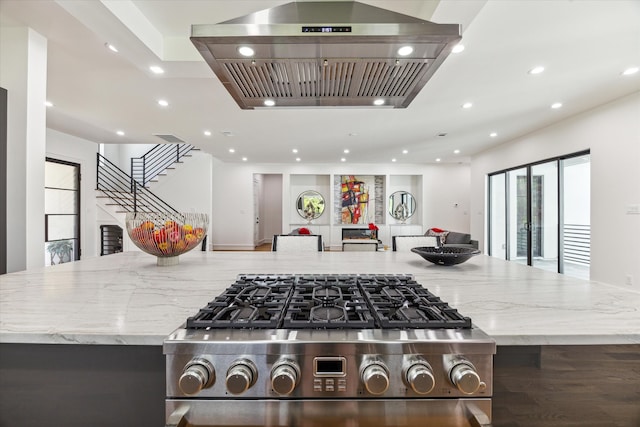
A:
(355, 200)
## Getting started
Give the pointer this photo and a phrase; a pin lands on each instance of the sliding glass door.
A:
(575, 233)
(544, 215)
(538, 215)
(517, 218)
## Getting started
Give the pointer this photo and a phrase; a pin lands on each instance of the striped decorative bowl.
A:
(166, 235)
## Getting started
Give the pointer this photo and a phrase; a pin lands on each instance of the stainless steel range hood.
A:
(325, 54)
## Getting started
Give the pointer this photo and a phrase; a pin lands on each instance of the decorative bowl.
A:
(166, 235)
(448, 255)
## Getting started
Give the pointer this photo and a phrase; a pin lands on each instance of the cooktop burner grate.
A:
(327, 301)
(254, 301)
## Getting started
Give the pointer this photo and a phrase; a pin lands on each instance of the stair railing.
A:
(125, 191)
(157, 160)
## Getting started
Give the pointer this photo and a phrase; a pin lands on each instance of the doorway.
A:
(267, 208)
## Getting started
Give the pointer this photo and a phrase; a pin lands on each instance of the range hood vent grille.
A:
(268, 80)
(339, 79)
(297, 68)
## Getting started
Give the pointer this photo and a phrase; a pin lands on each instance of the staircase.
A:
(125, 193)
(157, 161)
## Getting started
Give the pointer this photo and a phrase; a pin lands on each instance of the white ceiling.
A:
(584, 46)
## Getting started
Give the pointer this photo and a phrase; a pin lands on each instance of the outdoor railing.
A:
(577, 243)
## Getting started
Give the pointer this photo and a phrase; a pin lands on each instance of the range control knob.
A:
(420, 378)
(197, 374)
(375, 378)
(464, 376)
(284, 376)
(241, 376)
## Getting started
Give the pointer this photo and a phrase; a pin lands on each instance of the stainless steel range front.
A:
(318, 350)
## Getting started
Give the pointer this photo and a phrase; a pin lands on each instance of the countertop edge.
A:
(157, 340)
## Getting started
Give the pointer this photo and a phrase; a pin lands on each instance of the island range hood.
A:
(324, 54)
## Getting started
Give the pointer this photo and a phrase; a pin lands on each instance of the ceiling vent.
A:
(324, 54)
(169, 138)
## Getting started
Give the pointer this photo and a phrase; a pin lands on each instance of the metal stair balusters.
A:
(157, 160)
(131, 196)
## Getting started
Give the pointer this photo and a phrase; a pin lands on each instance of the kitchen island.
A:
(125, 299)
(82, 341)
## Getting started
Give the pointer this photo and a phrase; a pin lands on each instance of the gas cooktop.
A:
(327, 301)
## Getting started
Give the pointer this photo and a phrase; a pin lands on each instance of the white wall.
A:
(612, 133)
(443, 187)
(445, 198)
(187, 188)
(23, 73)
(77, 150)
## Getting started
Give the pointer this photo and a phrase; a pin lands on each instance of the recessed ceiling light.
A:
(207, 133)
(246, 51)
(378, 102)
(298, 159)
(111, 47)
(346, 151)
(120, 133)
(227, 133)
(457, 48)
(269, 102)
(48, 104)
(405, 50)
(493, 134)
(163, 103)
(456, 151)
(467, 105)
(556, 105)
(405, 151)
(295, 150)
(244, 159)
(156, 70)
(442, 134)
(536, 70)
(629, 71)
(438, 159)
(231, 150)
(343, 159)
(393, 160)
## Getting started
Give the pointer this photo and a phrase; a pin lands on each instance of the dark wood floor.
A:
(577, 386)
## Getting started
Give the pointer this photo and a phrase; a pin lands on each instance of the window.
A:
(61, 211)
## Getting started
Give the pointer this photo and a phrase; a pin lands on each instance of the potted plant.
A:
(63, 249)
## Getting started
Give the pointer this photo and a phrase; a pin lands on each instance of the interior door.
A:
(257, 191)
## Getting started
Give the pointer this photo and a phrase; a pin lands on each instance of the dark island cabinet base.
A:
(104, 385)
(81, 385)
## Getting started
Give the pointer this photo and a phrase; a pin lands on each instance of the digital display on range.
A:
(330, 29)
(329, 366)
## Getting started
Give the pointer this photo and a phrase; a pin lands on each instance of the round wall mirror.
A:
(402, 205)
(310, 205)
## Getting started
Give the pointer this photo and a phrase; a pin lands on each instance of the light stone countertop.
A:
(127, 299)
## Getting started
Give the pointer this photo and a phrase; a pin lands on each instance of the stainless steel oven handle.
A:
(477, 417)
(178, 418)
